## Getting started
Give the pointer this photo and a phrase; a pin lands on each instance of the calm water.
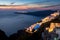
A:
(10, 22)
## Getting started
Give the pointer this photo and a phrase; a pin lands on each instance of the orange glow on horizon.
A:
(17, 7)
(14, 7)
(27, 7)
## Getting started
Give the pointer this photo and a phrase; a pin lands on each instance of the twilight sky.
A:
(29, 2)
(26, 4)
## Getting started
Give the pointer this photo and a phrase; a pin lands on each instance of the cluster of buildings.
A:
(53, 32)
(47, 19)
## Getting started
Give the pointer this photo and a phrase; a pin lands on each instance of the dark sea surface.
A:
(11, 23)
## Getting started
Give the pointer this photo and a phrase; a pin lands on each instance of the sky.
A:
(30, 3)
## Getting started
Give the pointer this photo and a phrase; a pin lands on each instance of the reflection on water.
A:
(10, 22)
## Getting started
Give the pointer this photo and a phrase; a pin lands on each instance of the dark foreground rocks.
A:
(20, 35)
(23, 35)
(3, 35)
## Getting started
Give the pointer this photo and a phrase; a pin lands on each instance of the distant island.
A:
(37, 13)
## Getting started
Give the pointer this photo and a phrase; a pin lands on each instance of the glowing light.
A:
(52, 26)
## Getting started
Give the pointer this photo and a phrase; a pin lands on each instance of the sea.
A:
(10, 22)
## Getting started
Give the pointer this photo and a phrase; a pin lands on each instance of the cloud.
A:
(32, 7)
(12, 3)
